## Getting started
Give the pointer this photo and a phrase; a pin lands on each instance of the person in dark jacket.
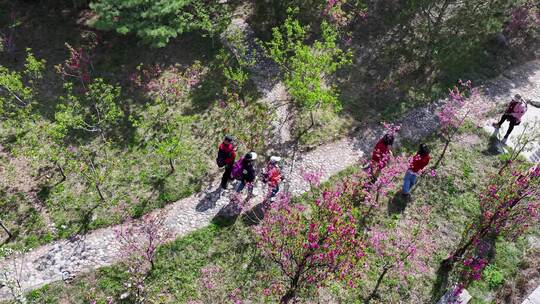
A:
(248, 172)
(514, 112)
(228, 155)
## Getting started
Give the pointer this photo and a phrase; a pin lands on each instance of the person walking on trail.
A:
(416, 164)
(226, 157)
(272, 176)
(381, 154)
(244, 171)
(515, 110)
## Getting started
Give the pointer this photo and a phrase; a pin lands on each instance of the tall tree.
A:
(156, 22)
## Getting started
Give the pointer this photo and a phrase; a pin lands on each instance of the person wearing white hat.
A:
(272, 176)
(247, 176)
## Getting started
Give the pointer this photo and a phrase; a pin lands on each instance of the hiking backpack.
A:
(236, 172)
(221, 157)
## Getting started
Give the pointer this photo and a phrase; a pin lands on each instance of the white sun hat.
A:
(253, 155)
(275, 159)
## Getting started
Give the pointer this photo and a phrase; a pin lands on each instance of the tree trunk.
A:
(62, 173)
(373, 294)
(100, 193)
(10, 236)
(171, 165)
(291, 292)
(446, 144)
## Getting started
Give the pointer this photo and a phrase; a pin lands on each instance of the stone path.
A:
(533, 298)
(240, 39)
(64, 259)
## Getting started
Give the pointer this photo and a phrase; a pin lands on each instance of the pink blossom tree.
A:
(510, 205)
(523, 18)
(372, 192)
(464, 103)
(400, 251)
(139, 242)
(311, 243)
(343, 12)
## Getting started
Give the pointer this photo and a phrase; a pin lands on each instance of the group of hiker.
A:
(243, 170)
(381, 156)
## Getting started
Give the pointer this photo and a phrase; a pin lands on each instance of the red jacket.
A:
(380, 154)
(417, 163)
(229, 149)
(274, 176)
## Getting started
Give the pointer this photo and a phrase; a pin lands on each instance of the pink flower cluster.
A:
(312, 177)
(78, 65)
(464, 102)
(406, 249)
(170, 85)
(475, 266)
(312, 246)
(388, 179)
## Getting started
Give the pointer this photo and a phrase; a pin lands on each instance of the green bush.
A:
(493, 276)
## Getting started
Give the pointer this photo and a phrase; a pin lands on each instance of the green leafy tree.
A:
(17, 90)
(167, 134)
(307, 67)
(174, 143)
(97, 110)
(156, 22)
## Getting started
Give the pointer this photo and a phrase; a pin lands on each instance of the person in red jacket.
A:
(416, 164)
(272, 175)
(381, 154)
(226, 156)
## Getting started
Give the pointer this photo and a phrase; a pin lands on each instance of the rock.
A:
(449, 298)
(124, 296)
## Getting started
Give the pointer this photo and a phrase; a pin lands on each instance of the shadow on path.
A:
(228, 215)
(495, 146)
(208, 201)
(255, 215)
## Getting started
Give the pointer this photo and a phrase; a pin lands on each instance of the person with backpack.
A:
(244, 171)
(381, 154)
(514, 112)
(225, 158)
(416, 164)
(272, 176)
